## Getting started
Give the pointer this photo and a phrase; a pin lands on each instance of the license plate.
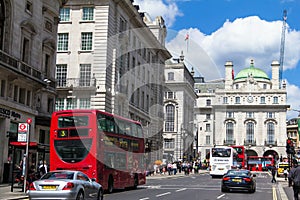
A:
(236, 180)
(221, 168)
(49, 187)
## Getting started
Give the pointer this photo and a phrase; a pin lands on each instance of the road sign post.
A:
(25, 163)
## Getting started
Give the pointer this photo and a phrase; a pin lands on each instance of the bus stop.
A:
(36, 152)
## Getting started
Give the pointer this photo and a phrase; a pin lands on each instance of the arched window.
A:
(170, 118)
(2, 19)
(250, 132)
(270, 133)
(229, 133)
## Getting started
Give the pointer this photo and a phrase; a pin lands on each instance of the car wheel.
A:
(80, 196)
(223, 189)
(100, 195)
(110, 185)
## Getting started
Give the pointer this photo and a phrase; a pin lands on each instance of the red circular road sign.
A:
(23, 127)
(29, 120)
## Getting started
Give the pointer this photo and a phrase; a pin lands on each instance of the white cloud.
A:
(240, 41)
(293, 97)
(168, 10)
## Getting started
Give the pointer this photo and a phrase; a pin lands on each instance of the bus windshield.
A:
(221, 152)
(72, 151)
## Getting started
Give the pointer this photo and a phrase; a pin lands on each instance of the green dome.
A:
(256, 73)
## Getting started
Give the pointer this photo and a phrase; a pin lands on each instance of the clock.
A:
(250, 99)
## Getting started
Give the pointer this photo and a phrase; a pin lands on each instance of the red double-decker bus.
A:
(240, 156)
(107, 147)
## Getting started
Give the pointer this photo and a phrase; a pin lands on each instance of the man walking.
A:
(273, 171)
(294, 179)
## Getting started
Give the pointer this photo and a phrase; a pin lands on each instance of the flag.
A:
(232, 73)
(186, 37)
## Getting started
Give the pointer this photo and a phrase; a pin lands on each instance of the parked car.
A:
(65, 184)
(238, 179)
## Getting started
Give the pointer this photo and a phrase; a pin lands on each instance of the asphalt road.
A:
(199, 186)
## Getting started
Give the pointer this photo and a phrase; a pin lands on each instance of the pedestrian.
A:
(285, 172)
(174, 166)
(169, 167)
(294, 179)
(43, 168)
(273, 171)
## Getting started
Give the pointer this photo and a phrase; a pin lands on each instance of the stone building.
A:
(248, 110)
(28, 32)
(111, 57)
(179, 100)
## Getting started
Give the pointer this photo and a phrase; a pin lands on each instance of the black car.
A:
(238, 179)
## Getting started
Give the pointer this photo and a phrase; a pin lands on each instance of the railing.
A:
(76, 83)
(229, 142)
(249, 142)
(20, 66)
(270, 143)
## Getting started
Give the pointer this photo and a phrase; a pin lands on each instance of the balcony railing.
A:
(76, 83)
(270, 143)
(249, 142)
(229, 142)
(19, 66)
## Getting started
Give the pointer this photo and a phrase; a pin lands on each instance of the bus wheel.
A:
(110, 185)
(136, 182)
(100, 195)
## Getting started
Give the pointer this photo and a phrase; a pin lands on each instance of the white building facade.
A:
(179, 100)
(28, 32)
(109, 59)
(248, 110)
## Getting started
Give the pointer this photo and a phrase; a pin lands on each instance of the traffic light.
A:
(290, 149)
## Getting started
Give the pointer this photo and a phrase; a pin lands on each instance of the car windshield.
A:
(58, 175)
(238, 173)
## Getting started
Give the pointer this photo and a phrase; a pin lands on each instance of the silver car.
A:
(65, 184)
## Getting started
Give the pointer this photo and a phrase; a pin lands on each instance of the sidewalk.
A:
(6, 194)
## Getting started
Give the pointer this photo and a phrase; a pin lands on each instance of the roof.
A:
(252, 71)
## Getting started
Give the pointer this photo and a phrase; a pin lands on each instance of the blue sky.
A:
(233, 30)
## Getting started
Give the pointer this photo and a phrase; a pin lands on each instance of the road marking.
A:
(144, 198)
(182, 189)
(274, 193)
(159, 195)
(222, 195)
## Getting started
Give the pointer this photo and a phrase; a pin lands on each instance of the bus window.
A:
(72, 121)
(140, 131)
(101, 121)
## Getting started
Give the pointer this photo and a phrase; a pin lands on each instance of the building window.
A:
(29, 6)
(26, 50)
(59, 105)
(250, 132)
(123, 25)
(170, 95)
(270, 133)
(64, 14)
(207, 127)
(262, 100)
(71, 103)
(28, 98)
(230, 114)
(270, 115)
(85, 75)
(63, 42)
(61, 75)
(250, 115)
(170, 76)
(236, 86)
(237, 100)
(275, 100)
(208, 102)
(16, 92)
(169, 143)
(225, 100)
(264, 86)
(22, 94)
(170, 118)
(3, 88)
(84, 103)
(229, 133)
(50, 105)
(207, 116)
(86, 41)
(207, 140)
(87, 13)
